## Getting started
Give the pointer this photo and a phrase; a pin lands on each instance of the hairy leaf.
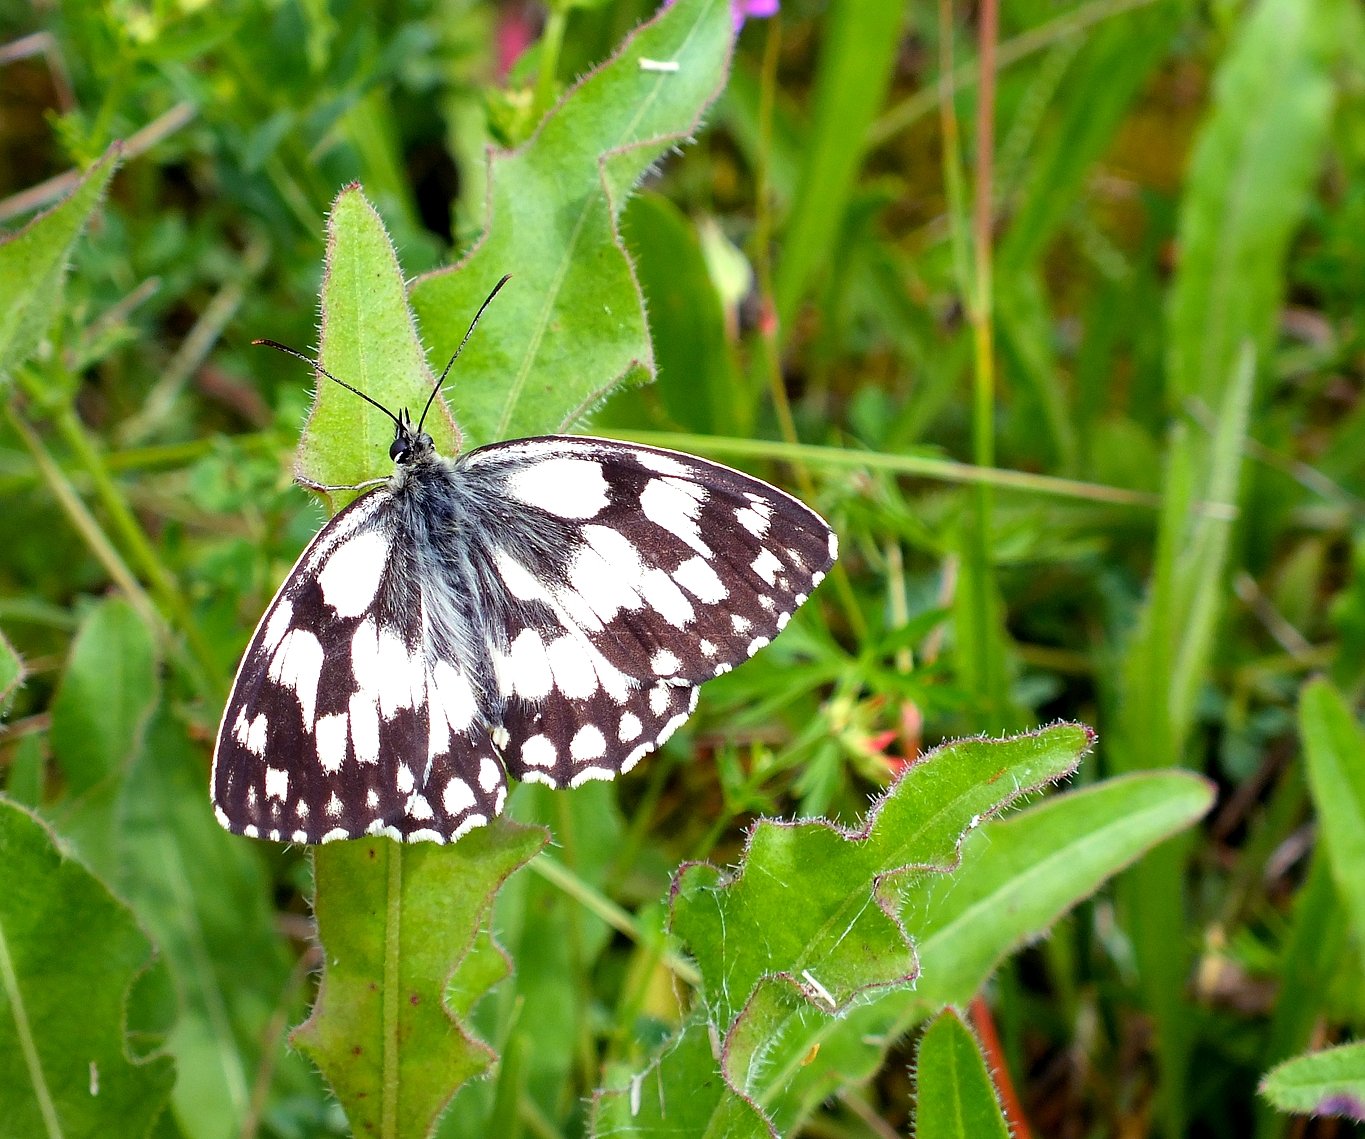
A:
(370, 341)
(69, 955)
(570, 325)
(405, 956)
(33, 264)
(954, 1096)
(811, 921)
(1330, 1082)
(1335, 748)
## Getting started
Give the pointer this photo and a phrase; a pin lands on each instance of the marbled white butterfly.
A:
(543, 608)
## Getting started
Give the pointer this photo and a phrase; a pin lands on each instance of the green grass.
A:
(1083, 405)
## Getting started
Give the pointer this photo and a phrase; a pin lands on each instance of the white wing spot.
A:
(752, 520)
(662, 464)
(252, 736)
(419, 808)
(739, 623)
(756, 644)
(665, 663)
(658, 699)
(638, 754)
(697, 577)
(364, 727)
(490, 774)
(278, 624)
(333, 808)
(349, 578)
(568, 487)
(276, 783)
(396, 675)
(468, 825)
(538, 751)
(767, 566)
(405, 779)
(630, 727)
(662, 592)
(457, 797)
(672, 726)
(331, 734)
(573, 669)
(297, 664)
(588, 743)
(673, 504)
(530, 666)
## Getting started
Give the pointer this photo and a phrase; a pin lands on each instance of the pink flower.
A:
(752, 10)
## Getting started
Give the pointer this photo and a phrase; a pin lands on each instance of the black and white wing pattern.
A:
(543, 608)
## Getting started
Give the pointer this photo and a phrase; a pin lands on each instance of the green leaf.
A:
(69, 955)
(1249, 182)
(697, 381)
(857, 61)
(1164, 670)
(370, 341)
(1330, 1082)
(404, 956)
(1023, 872)
(811, 923)
(816, 907)
(683, 1094)
(206, 898)
(33, 264)
(1335, 748)
(570, 325)
(954, 1096)
(1018, 874)
(12, 673)
(106, 695)
(99, 715)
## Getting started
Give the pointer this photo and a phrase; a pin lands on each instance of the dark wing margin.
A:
(340, 722)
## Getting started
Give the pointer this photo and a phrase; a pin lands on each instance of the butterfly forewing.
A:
(544, 607)
(341, 722)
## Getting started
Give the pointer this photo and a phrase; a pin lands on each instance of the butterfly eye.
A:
(398, 449)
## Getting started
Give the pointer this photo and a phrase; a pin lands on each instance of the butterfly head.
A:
(410, 444)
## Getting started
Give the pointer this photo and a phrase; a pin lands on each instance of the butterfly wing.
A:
(342, 719)
(643, 573)
(544, 607)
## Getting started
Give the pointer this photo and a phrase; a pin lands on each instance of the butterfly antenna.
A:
(317, 367)
(470, 332)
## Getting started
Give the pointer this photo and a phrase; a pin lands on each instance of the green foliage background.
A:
(1072, 360)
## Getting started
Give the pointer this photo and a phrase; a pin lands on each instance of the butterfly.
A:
(542, 608)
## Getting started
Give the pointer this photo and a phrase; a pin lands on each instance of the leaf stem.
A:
(84, 523)
(551, 41)
(164, 585)
(926, 466)
(393, 935)
(27, 1044)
